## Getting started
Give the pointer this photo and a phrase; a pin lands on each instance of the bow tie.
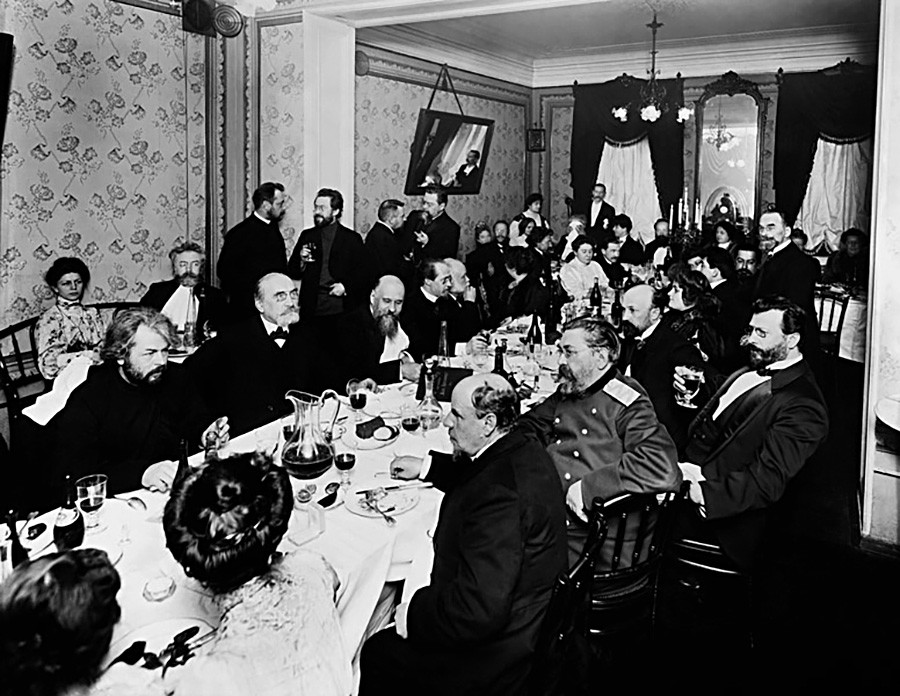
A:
(639, 343)
(766, 372)
(280, 332)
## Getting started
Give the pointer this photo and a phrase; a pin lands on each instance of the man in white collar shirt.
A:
(186, 297)
(654, 353)
(382, 344)
(601, 213)
(427, 307)
(788, 272)
(600, 428)
(464, 320)
(247, 368)
(754, 435)
(253, 248)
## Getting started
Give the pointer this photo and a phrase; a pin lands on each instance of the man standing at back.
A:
(253, 248)
(441, 238)
(330, 261)
(788, 272)
(385, 244)
(499, 545)
(600, 215)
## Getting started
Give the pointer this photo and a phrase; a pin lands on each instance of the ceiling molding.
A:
(438, 50)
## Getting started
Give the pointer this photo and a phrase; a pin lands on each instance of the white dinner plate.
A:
(378, 441)
(394, 503)
(157, 635)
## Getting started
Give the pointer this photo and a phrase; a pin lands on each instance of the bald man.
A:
(499, 545)
(656, 351)
(250, 365)
(380, 348)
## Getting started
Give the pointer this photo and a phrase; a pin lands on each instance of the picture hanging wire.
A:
(444, 75)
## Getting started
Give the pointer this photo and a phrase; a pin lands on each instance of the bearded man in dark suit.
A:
(187, 294)
(499, 544)
(441, 238)
(253, 248)
(753, 437)
(788, 272)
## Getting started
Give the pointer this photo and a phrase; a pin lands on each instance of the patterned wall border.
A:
(549, 101)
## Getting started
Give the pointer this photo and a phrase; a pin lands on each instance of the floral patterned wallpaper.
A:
(559, 147)
(386, 115)
(281, 120)
(104, 154)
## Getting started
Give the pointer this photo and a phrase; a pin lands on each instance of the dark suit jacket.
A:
(598, 229)
(243, 374)
(731, 323)
(467, 182)
(211, 304)
(613, 271)
(464, 321)
(367, 347)
(251, 249)
(632, 252)
(653, 366)
(385, 254)
(443, 238)
(421, 320)
(758, 451)
(529, 297)
(793, 274)
(348, 264)
(499, 545)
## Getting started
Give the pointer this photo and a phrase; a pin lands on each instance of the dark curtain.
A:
(447, 127)
(593, 124)
(836, 107)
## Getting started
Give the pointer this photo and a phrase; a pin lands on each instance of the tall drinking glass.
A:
(692, 377)
(90, 492)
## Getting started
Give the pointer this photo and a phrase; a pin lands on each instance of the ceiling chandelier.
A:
(653, 102)
(719, 135)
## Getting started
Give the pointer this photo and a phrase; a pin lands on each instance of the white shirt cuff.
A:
(575, 501)
(426, 466)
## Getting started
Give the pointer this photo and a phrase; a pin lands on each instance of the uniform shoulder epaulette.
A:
(621, 392)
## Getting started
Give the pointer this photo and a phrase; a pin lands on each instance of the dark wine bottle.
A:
(17, 552)
(534, 336)
(596, 297)
(444, 345)
(498, 364)
(183, 467)
(616, 311)
(68, 530)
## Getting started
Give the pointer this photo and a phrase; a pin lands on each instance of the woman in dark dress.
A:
(692, 313)
(525, 292)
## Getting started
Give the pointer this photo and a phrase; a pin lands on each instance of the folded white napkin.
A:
(51, 403)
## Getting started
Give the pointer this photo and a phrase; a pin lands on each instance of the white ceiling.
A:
(545, 43)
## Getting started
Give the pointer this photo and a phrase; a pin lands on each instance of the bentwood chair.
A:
(831, 308)
(20, 379)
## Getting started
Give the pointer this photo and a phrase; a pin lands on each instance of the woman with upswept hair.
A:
(279, 632)
(693, 310)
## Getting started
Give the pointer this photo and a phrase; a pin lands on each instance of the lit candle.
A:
(698, 217)
(671, 216)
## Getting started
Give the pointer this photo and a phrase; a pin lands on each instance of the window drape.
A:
(628, 171)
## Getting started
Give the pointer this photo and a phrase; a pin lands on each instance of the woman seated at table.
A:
(578, 275)
(576, 227)
(57, 615)
(692, 313)
(279, 632)
(68, 329)
(526, 293)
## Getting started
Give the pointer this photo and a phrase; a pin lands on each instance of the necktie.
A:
(280, 332)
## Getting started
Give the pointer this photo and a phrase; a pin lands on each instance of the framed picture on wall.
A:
(449, 150)
(534, 140)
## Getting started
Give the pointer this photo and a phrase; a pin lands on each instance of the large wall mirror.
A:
(731, 118)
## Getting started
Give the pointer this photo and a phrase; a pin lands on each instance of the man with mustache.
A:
(752, 438)
(129, 416)
(253, 248)
(335, 277)
(381, 347)
(187, 296)
(246, 370)
(600, 428)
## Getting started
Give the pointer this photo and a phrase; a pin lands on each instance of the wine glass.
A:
(692, 378)
(409, 419)
(357, 391)
(90, 492)
(344, 462)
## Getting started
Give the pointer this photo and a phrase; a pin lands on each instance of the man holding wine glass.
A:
(754, 435)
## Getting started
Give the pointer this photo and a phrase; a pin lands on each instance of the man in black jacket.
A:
(253, 248)
(734, 312)
(187, 295)
(499, 545)
(426, 307)
(246, 370)
(441, 238)
(330, 261)
(385, 244)
(600, 215)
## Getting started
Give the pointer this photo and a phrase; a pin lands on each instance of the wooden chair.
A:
(624, 589)
(20, 379)
(108, 310)
(831, 308)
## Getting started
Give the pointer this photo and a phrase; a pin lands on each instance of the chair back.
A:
(108, 310)
(831, 308)
(561, 654)
(638, 527)
(20, 379)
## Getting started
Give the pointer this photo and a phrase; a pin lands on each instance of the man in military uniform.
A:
(600, 428)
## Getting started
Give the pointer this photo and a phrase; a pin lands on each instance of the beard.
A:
(387, 325)
(188, 279)
(566, 382)
(763, 357)
(135, 376)
(321, 220)
(745, 274)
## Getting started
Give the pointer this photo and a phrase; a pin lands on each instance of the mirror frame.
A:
(731, 84)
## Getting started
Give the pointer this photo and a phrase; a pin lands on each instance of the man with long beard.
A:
(382, 343)
(187, 297)
(755, 434)
(130, 415)
(331, 264)
(600, 429)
